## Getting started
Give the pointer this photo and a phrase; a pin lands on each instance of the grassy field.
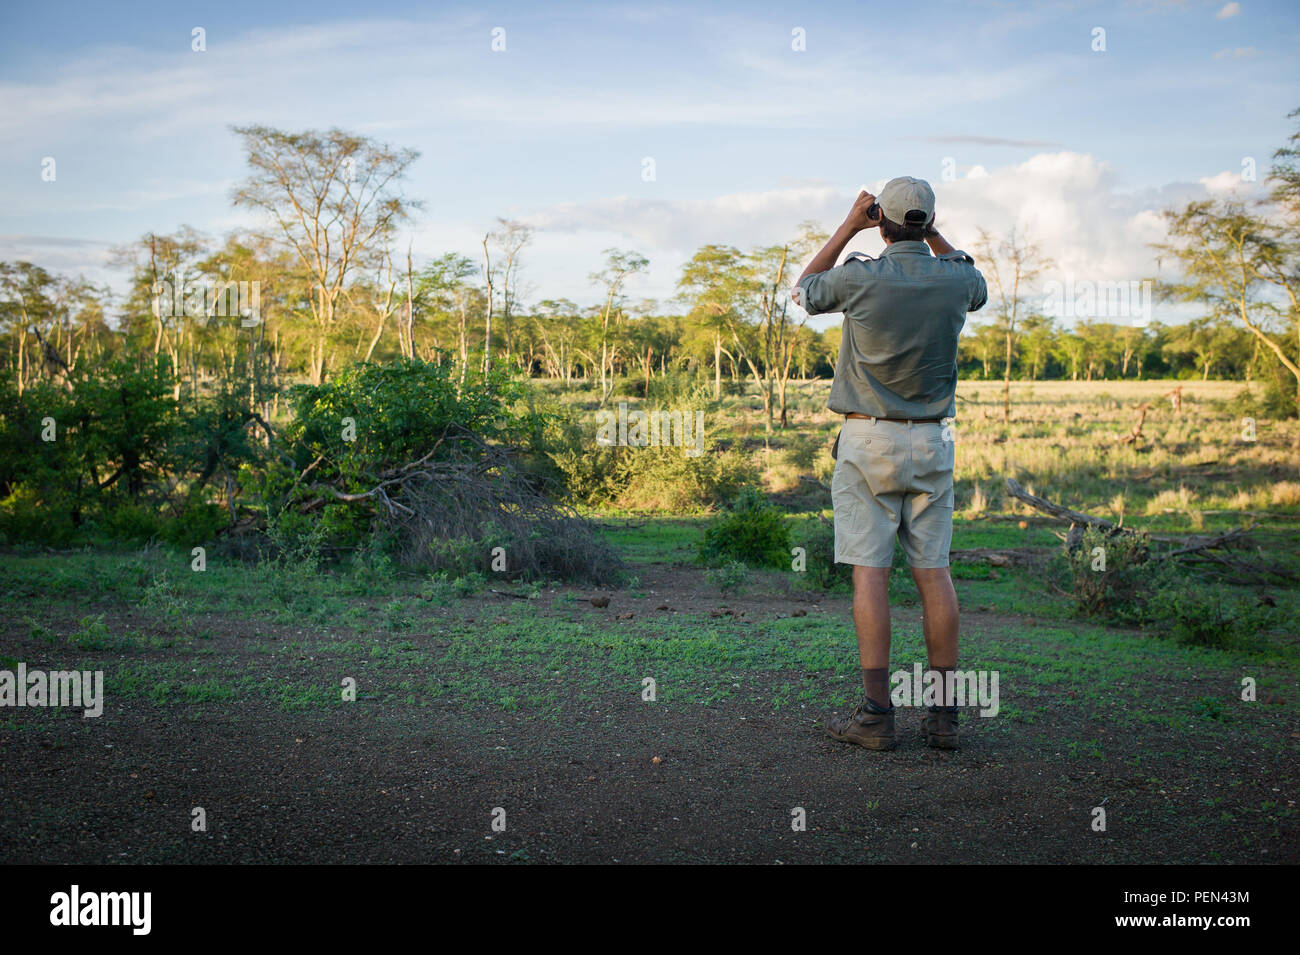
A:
(1063, 441)
(223, 688)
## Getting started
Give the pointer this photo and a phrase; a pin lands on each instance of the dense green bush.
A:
(71, 456)
(752, 531)
(1109, 575)
(1276, 400)
(817, 538)
(663, 478)
(1207, 615)
(437, 473)
(129, 460)
(1163, 596)
(352, 432)
(372, 417)
(729, 577)
(130, 521)
(198, 522)
(27, 515)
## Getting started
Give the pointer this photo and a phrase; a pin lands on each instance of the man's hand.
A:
(858, 218)
(937, 243)
(857, 221)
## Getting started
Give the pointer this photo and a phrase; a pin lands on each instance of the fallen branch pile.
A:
(1217, 549)
(468, 503)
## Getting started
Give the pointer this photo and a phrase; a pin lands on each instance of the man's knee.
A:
(931, 576)
(870, 574)
(870, 578)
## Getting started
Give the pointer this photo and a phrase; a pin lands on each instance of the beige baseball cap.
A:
(906, 195)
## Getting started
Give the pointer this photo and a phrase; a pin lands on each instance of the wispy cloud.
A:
(963, 139)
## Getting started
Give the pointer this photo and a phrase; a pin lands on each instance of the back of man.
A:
(902, 315)
(895, 382)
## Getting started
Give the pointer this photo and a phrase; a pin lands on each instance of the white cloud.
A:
(1228, 10)
(61, 255)
(1225, 181)
(1068, 203)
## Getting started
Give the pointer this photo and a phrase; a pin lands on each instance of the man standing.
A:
(895, 383)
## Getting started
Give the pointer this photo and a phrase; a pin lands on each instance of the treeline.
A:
(440, 313)
(326, 284)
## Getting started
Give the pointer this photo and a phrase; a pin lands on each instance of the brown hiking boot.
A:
(939, 727)
(870, 725)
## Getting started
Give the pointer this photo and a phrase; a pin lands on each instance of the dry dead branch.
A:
(472, 503)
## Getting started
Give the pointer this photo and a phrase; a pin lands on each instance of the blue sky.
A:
(748, 136)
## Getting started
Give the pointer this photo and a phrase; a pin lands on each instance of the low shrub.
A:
(752, 531)
(817, 538)
(1113, 578)
(1203, 614)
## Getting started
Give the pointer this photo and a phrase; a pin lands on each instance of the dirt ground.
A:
(608, 778)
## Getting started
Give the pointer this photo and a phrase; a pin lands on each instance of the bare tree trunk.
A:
(717, 365)
(410, 306)
(462, 332)
(1006, 385)
(487, 335)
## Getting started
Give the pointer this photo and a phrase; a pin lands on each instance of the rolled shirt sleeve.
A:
(822, 292)
(979, 293)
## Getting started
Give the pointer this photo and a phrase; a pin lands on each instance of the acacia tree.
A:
(716, 285)
(511, 237)
(443, 286)
(1133, 343)
(780, 331)
(1015, 262)
(559, 325)
(620, 265)
(335, 200)
(250, 259)
(1101, 346)
(27, 304)
(1037, 334)
(167, 293)
(1235, 263)
(380, 298)
(982, 345)
(1246, 266)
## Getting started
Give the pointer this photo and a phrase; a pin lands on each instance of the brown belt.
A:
(897, 420)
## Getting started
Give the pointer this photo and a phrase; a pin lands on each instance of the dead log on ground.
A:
(1059, 511)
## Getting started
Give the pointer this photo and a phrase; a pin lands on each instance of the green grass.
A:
(654, 540)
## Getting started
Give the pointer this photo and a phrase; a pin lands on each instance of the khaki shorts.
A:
(892, 478)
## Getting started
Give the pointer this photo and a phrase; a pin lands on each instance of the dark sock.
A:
(946, 698)
(876, 683)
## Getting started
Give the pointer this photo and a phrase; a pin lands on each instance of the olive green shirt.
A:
(902, 314)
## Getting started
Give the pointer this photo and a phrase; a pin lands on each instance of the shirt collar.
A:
(914, 246)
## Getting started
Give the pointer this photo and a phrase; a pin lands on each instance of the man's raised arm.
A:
(857, 220)
(937, 243)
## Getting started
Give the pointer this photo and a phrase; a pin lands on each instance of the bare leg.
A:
(939, 610)
(872, 723)
(871, 615)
